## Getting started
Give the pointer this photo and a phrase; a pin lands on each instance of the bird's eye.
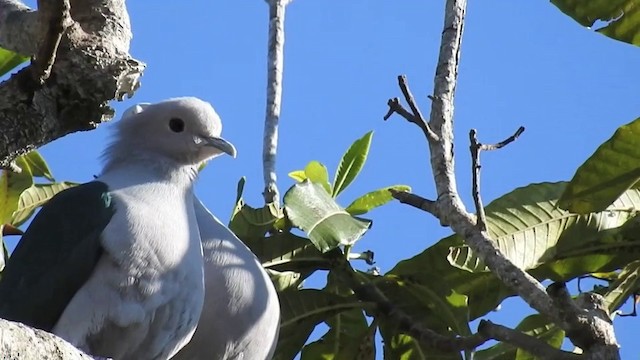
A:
(176, 125)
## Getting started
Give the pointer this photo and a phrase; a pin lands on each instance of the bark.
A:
(274, 97)
(20, 342)
(586, 322)
(92, 66)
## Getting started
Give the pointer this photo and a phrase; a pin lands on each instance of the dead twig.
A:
(415, 116)
(476, 147)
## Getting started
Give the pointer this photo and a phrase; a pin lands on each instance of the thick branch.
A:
(274, 97)
(18, 341)
(19, 28)
(92, 67)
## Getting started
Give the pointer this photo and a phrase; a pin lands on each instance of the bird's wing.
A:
(241, 311)
(55, 256)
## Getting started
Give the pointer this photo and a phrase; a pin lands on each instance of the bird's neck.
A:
(152, 169)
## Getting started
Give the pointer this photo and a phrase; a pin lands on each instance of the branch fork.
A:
(574, 318)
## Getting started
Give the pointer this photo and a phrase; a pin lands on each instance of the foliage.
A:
(20, 195)
(622, 16)
(555, 231)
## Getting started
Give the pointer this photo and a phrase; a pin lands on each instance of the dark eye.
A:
(176, 125)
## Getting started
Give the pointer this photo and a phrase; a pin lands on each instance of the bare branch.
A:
(476, 147)
(523, 341)
(505, 142)
(416, 201)
(274, 97)
(415, 116)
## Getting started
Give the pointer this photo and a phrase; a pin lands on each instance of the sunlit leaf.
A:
(298, 175)
(351, 163)
(9, 60)
(627, 283)
(11, 186)
(373, 199)
(328, 225)
(612, 169)
(248, 222)
(622, 17)
(317, 173)
(34, 197)
(530, 230)
(38, 165)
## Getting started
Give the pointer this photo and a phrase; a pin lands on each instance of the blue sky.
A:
(523, 63)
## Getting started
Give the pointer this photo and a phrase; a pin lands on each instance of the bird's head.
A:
(185, 130)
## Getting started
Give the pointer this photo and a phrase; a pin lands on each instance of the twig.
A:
(55, 18)
(416, 201)
(274, 97)
(415, 116)
(533, 345)
(476, 147)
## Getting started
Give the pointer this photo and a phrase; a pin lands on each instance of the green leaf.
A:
(351, 163)
(530, 230)
(622, 16)
(309, 207)
(349, 336)
(565, 245)
(38, 165)
(34, 197)
(533, 325)
(284, 280)
(248, 222)
(298, 175)
(9, 60)
(289, 252)
(624, 286)
(302, 310)
(317, 173)
(11, 186)
(373, 199)
(609, 172)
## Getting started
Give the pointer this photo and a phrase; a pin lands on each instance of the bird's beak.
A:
(222, 145)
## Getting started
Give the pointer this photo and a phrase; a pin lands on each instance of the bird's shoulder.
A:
(56, 255)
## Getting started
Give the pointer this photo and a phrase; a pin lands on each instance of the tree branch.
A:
(475, 148)
(92, 66)
(18, 341)
(274, 97)
(450, 209)
(367, 291)
(523, 341)
(19, 27)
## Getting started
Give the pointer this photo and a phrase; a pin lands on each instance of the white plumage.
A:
(241, 314)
